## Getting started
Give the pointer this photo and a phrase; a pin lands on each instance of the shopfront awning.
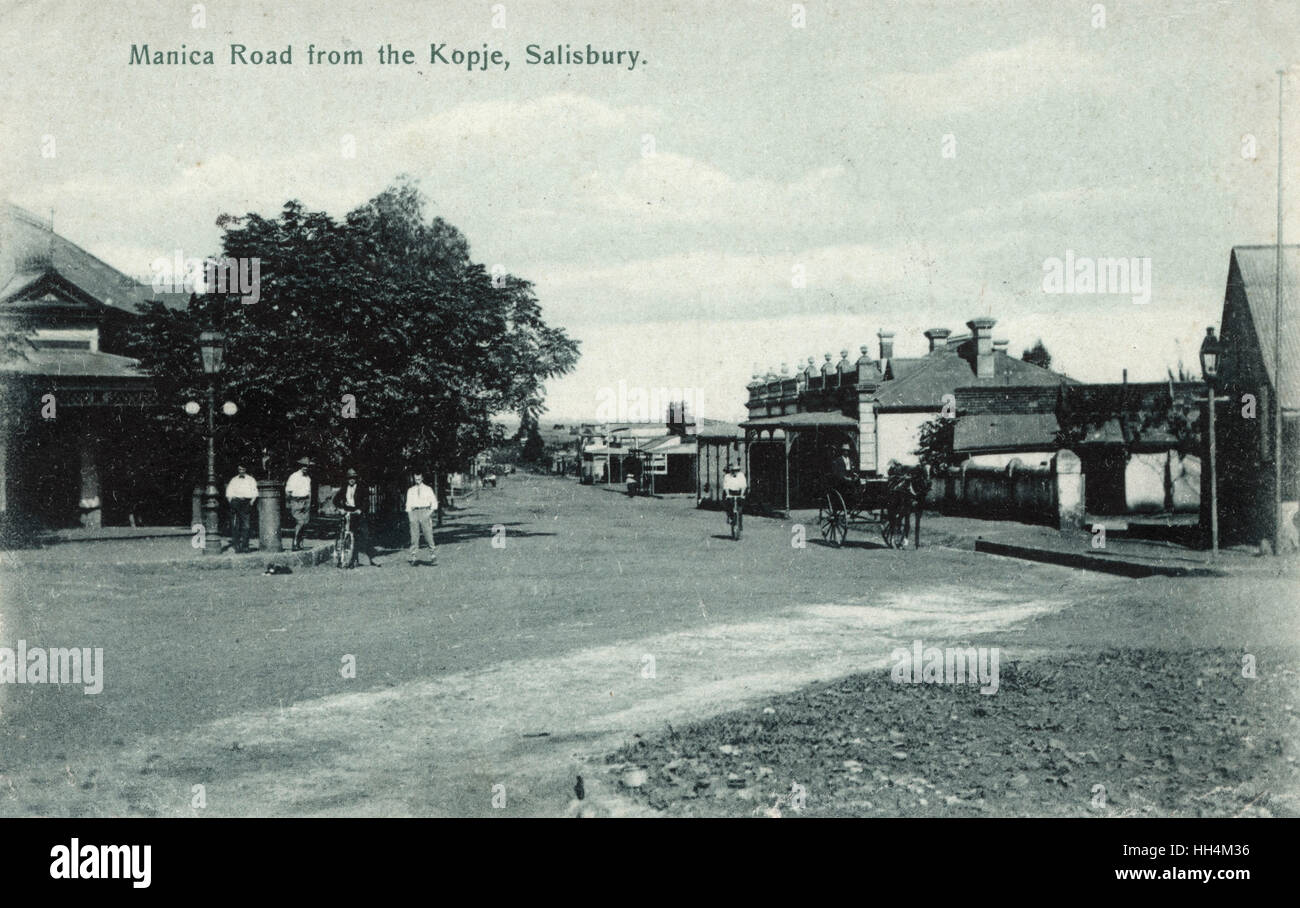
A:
(671, 444)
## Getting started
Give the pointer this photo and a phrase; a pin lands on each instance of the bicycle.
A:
(735, 513)
(345, 550)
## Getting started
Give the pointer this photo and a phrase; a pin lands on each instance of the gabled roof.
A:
(1256, 267)
(927, 380)
(29, 250)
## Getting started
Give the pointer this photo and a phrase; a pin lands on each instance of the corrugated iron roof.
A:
(717, 428)
(1257, 266)
(669, 444)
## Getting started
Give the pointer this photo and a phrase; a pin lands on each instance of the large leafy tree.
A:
(1037, 355)
(376, 341)
(935, 444)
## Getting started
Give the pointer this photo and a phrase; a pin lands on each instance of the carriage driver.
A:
(844, 473)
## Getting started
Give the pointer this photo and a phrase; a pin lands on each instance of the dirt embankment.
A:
(1116, 733)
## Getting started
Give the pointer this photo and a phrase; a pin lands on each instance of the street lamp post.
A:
(1211, 353)
(212, 345)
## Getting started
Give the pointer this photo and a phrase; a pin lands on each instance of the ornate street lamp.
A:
(1211, 350)
(212, 346)
(1211, 354)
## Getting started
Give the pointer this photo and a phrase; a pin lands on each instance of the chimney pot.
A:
(886, 345)
(982, 330)
(937, 338)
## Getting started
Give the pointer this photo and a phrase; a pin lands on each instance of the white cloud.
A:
(993, 79)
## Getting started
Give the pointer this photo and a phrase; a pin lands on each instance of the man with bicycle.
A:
(734, 488)
(354, 501)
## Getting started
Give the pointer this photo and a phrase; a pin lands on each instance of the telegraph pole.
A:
(1277, 343)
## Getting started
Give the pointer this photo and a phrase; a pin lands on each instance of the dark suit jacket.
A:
(840, 472)
(362, 498)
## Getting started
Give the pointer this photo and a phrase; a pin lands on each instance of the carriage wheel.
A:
(833, 518)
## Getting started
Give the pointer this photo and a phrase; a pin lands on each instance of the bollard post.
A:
(1070, 505)
(270, 502)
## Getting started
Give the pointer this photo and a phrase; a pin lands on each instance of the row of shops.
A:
(1139, 447)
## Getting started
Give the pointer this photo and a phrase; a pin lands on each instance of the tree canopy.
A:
(375, 342)
(1037, 355)
(935, 441)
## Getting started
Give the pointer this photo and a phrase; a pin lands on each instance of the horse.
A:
(904, 495)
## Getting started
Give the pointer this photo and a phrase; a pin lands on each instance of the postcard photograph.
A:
(756, 410)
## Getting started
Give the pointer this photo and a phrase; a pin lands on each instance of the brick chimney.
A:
(886, 346)
(1000, 345)
(937, 337)
(982, 330)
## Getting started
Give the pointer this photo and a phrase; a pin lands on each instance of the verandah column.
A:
(89, 502)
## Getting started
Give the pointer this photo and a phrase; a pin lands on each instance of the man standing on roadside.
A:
(241, 492)
(297, 492)
(420, 503)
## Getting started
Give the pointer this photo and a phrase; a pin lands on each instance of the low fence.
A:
(1014, 492)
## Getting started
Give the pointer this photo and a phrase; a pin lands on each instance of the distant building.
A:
(919, 389)
(67, 404)
(1128, 450)
(717, 444)
(1246, 449)
(877, 405)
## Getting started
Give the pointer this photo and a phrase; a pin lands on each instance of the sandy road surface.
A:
(503, 671)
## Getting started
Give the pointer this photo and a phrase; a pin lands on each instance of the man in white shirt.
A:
(297, 493)
(734, 488)
(241, 492)
(420, 503)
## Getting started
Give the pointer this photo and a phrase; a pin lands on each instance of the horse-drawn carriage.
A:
(886, 504)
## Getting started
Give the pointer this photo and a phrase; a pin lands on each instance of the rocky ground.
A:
(1121, 732)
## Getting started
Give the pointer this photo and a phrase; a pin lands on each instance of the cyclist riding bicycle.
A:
(734, 487)
(354, 501)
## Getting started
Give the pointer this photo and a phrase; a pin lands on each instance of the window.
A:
(50, 344)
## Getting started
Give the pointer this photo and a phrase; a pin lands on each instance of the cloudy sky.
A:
(752, 193)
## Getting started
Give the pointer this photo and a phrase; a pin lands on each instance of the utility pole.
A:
(1277, 342)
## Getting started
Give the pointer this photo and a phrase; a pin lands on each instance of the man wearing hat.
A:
(241, 492)
(734, 488)
(297, 492)
(420, 504)
(845, 473)
(353, 498)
